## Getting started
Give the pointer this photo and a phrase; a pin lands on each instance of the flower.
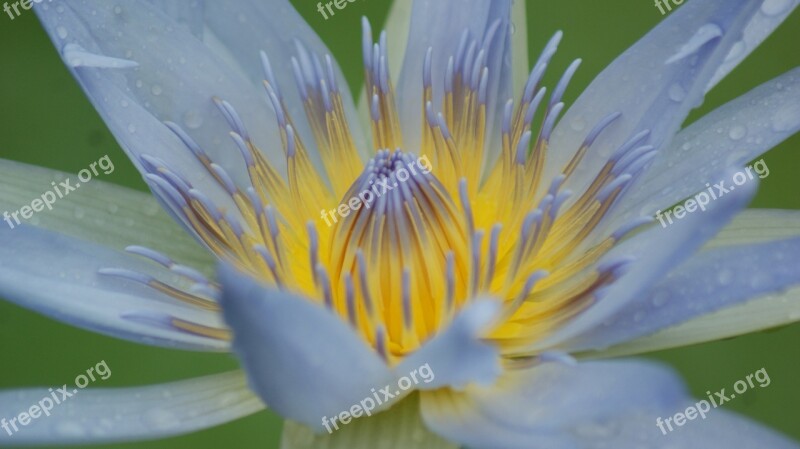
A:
(514, 253)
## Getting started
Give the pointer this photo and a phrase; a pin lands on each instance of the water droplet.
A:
(139, 83)
(62, 32)
(156, 90)
(775, 7)
(69, 429)
(131, 128)
(578, 124)
(118, 9)
(786, 118)
(676, 93)
(660, 298)
(192, 119)
(737, 132)
(160, 419)
(124, 103)
(736, 51)
(725, 276)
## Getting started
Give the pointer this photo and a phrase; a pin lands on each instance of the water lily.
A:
(515, 268)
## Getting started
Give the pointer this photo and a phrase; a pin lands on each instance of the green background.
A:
(46, 120)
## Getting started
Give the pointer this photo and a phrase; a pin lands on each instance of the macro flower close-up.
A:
(446, 233)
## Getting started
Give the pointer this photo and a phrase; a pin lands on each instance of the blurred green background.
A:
(47, 121)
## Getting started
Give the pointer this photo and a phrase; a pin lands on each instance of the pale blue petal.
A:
(440, 24)
(103, 415)
(654, 252)
(57, 276)
(710, 280)
(458, 355)
(174, 77)
(594, 405)
(301, 358)
(654, 84)
(768, 18)
(247, 27)
(731, 135)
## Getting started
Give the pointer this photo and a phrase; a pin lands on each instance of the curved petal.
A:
(57, 276)
(100, 212)
(105, 415)
(302, 359)
(140, 67)
(654, 252)
(731, 135)
(591, 405)
(458, 356)
(752, 227)
(654, 84)
(768, 18)
(711, 280)
(440, 24)
(245, 27)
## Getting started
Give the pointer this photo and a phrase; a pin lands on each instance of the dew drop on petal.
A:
(737, 132)
(786, 118)
(660, 298)
(62, 32)
(160, 419)
(676, 93)
(131, 128)
(118, 9)
(156, 90)
(578, 124)
(69, 429)
(775, 7)
(725, 276)
(192, 119)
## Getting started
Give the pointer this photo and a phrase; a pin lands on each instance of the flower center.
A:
(412, 239)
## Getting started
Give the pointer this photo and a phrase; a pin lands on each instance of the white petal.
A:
(656, 251)
(768, 18)
(650, 92)
(57, 276)
(100, 212)
(731, 135)
(457, 356)
(299, 357)
(440, 24)
(593, 405)
(752, 226)
(103, 415)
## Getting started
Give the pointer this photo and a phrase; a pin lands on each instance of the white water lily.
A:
(517, 253)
